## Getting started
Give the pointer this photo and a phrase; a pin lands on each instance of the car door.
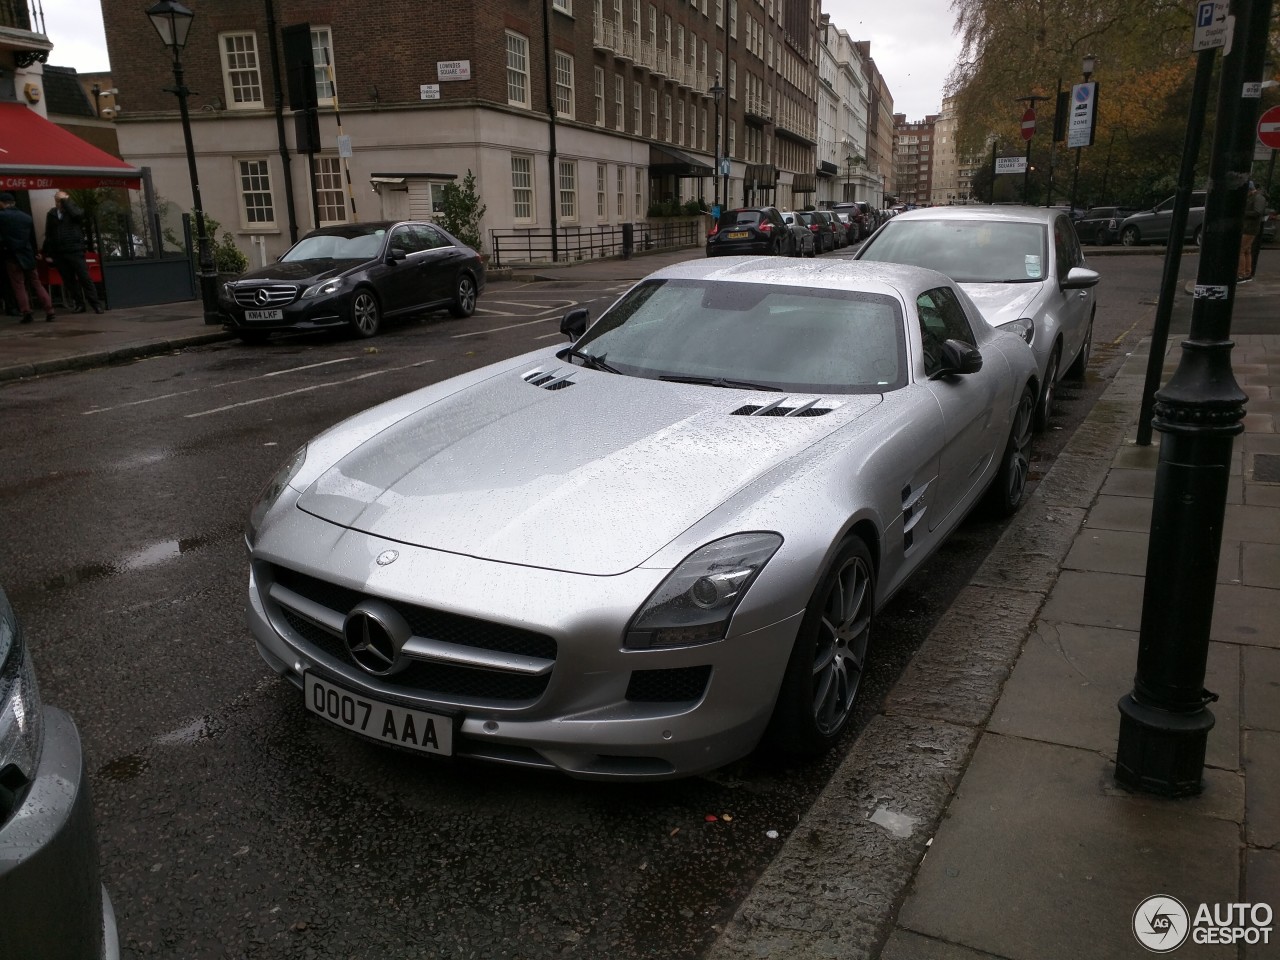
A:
(437, 264)
(1156, 226)
(969, 404)
(399, 284)
(1074, 307)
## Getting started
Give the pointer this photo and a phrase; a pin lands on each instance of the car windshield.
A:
(968, 251)
(787, 338)
(333, 246)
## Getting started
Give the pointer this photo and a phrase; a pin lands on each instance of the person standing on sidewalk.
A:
(64, 246)
(18, 251)
(1255, 209)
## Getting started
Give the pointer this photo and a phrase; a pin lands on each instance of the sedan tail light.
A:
(715, 228)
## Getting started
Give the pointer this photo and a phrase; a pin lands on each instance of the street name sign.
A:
(1011, 165)
(453, 70)
(1212, 25)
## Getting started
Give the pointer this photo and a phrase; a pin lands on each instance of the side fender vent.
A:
(549, 379)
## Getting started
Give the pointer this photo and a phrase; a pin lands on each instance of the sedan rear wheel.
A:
(1049, 390)
(824, 674)
(1129, 236)
(1010, 482)
(366, 316)
(464, 298)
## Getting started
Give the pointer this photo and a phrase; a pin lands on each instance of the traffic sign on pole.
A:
(1212, 25)
(1029, 123)
(1269, 128)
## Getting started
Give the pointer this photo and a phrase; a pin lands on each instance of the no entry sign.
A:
(1029, 124)
(1269, 128)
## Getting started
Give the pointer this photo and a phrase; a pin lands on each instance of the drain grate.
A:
(1266, 467)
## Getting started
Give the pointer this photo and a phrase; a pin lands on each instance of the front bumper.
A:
(52, 902)
(314, 313)
(587, 720)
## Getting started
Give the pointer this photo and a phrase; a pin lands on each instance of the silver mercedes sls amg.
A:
(644, 553)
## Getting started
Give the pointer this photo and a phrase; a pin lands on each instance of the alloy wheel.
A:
(364, 313)
(840, 654)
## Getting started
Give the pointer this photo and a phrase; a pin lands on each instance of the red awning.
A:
(38, 155)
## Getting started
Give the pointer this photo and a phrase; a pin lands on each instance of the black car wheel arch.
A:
(366, 312)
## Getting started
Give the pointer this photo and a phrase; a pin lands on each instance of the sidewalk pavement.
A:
(977, 816)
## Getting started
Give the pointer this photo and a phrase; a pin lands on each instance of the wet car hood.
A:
(300, 271)
(593, 478)
(1003, 302)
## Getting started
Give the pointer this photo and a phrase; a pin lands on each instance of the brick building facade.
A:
(429, 90)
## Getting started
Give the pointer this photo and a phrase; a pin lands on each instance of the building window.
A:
(240, 74)
(622, 193)
(636, 108)
(599, 95)
(681, 138)
(653, 113)
(602, 191)
(720, 14)
(255, 194)
(733, 79)
(568, 177)
(619, 108)
(666, 117)
(517, 70)
(564, 84)
(732, 151)
(733, 18)
(522, 189)
(322, 56)
(639, 190)
(330, 196)
(564, 6)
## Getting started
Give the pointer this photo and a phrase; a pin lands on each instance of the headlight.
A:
(322, 289)
(695, 601)
(271, 493)
(228, 293)
(1023, 327)
(21, 716)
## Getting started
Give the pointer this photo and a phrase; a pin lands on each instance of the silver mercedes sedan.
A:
(641, 554)
(1022, 266)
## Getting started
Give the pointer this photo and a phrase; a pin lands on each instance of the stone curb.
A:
(102, 358)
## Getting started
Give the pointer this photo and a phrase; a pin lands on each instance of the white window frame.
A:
(653, 112)
(637, 108)
(619, 102)
(733, 19)
(326, 73)
(522, 192)
(621, 193)
(639, 191)
(733, 79)
(246, 187)
(666, 117)
(599, 96)
(567, 189)
(564, 6)
(682, 138)
(602, 192)
(517, 70)
(250, 70)
(331, 193)
(564, 84)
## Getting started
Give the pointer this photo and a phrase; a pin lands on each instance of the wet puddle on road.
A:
(153, 555)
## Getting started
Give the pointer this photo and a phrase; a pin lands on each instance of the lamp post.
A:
(717, 91)
(848, 176)
(1087, 67)
(173, 22)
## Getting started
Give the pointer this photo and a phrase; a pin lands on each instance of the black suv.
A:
(751, 230)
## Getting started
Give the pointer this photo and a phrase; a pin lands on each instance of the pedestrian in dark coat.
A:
(64, 246)
(18, 251)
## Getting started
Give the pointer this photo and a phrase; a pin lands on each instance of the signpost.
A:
(1084, 100)
(1011, 165)
(1212, 26)
(1269, 128)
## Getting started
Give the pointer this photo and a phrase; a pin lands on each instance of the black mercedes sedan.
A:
(355, 275)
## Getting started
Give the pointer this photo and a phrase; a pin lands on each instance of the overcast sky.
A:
(911, 41)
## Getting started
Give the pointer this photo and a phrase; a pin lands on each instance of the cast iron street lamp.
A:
(717, 91)
(173, 22)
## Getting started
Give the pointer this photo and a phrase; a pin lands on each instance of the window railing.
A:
(576, 244)
(20, 15)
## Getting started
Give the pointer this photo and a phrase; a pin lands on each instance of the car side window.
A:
(1061, 247)
(403, 237)
(933, 329)
(428, 237)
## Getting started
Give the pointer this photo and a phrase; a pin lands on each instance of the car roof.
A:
(891, 279)
(1013, 213)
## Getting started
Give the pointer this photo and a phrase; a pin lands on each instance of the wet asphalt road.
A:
(234, 824)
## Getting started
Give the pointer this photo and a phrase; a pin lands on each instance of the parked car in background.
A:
(1101, 225)
(829, 224)
(804, 242)
(758, 230)
(824, 237)
(355, 275)
(53, 905)
(771, 454)
(1021, 265)
(846, 229)
(1152, 226)
(858, 214)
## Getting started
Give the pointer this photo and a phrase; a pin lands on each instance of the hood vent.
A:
(549, 379)
(778, 409)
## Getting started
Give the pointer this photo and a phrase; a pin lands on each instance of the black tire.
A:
(1130, 237)
(1081, 363)
(1010, 483)
(820, 687)
(1048, 390)
(366, 313)
(253, 337)
(464, 297)
(1198, 236)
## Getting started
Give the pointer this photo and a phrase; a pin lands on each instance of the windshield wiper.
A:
(593, 362)
(721, 382)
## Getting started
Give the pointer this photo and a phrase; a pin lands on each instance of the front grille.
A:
(278, 294)
(668, 686)
(425, 677)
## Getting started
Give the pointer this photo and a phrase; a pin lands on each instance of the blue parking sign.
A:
(1204, 14)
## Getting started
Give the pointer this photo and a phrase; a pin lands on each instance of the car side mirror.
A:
(958, 358)
(1080, 278)
(574, 323)
(396, 253)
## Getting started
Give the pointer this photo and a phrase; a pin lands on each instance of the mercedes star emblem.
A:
(386, 557)
(375, 634)
(262, 296)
